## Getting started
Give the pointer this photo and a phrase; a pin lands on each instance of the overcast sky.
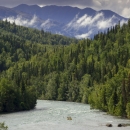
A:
(121, 7)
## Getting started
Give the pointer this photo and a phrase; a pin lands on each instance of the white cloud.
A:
(105, 23)
(82, 24)
(117, 6)
(92, 24)
(90, 20)
(119, 1)
(85, 20)
(34, 22)
(126, 12)
(80, 20)
(86, 35)
(123, 21)
(41, 5)
(97, 21)
(97, 17)
(97, 3)
(47, 24)
(23, 22)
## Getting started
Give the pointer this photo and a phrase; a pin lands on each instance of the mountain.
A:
(64, 20)
(8, 12)
(56, 13)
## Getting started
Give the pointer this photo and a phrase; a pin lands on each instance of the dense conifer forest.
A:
(37, 64)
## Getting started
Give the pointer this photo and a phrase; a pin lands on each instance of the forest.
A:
(39, 65)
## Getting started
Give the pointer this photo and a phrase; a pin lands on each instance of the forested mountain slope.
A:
(17, 45)
(34, 35)
(90, 71)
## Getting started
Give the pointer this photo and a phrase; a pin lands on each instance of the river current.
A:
(53, 115)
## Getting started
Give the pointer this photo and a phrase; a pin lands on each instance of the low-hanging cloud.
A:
(19, 20)
(97, 21)
(81, 27)
(34, 22)
(89, 23)
(85, 35)
(47, 24)
(105, 23)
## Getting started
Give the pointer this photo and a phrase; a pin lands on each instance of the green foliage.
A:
(128, 110)
(3, 127)
(11, 31)
(35, 64)
(13, 98)
(7, 96)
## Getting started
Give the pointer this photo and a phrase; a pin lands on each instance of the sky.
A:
(122, 7)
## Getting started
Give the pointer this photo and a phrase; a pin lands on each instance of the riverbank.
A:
(52, 115)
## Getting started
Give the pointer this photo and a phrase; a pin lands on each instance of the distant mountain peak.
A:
(21, 5)
(109, 13)
(27, 6)
(66, 20)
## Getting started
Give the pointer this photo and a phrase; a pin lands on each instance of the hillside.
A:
(17, 46)
(34, 35)
(91, 71)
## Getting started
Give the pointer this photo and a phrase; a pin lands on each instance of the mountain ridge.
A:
(23, 7)
(65, 20)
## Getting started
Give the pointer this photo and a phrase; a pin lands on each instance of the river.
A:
(52, 115)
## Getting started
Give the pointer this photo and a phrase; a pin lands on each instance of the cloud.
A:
(35, 22)
(79, 25)
(19, 20)
(106, 23)
(92, 24)
(97, 3)
(84, 21)
(123, 21)
(82, 36)
(47, 24)
(115, 5)
(126, 12)
(88, 21)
